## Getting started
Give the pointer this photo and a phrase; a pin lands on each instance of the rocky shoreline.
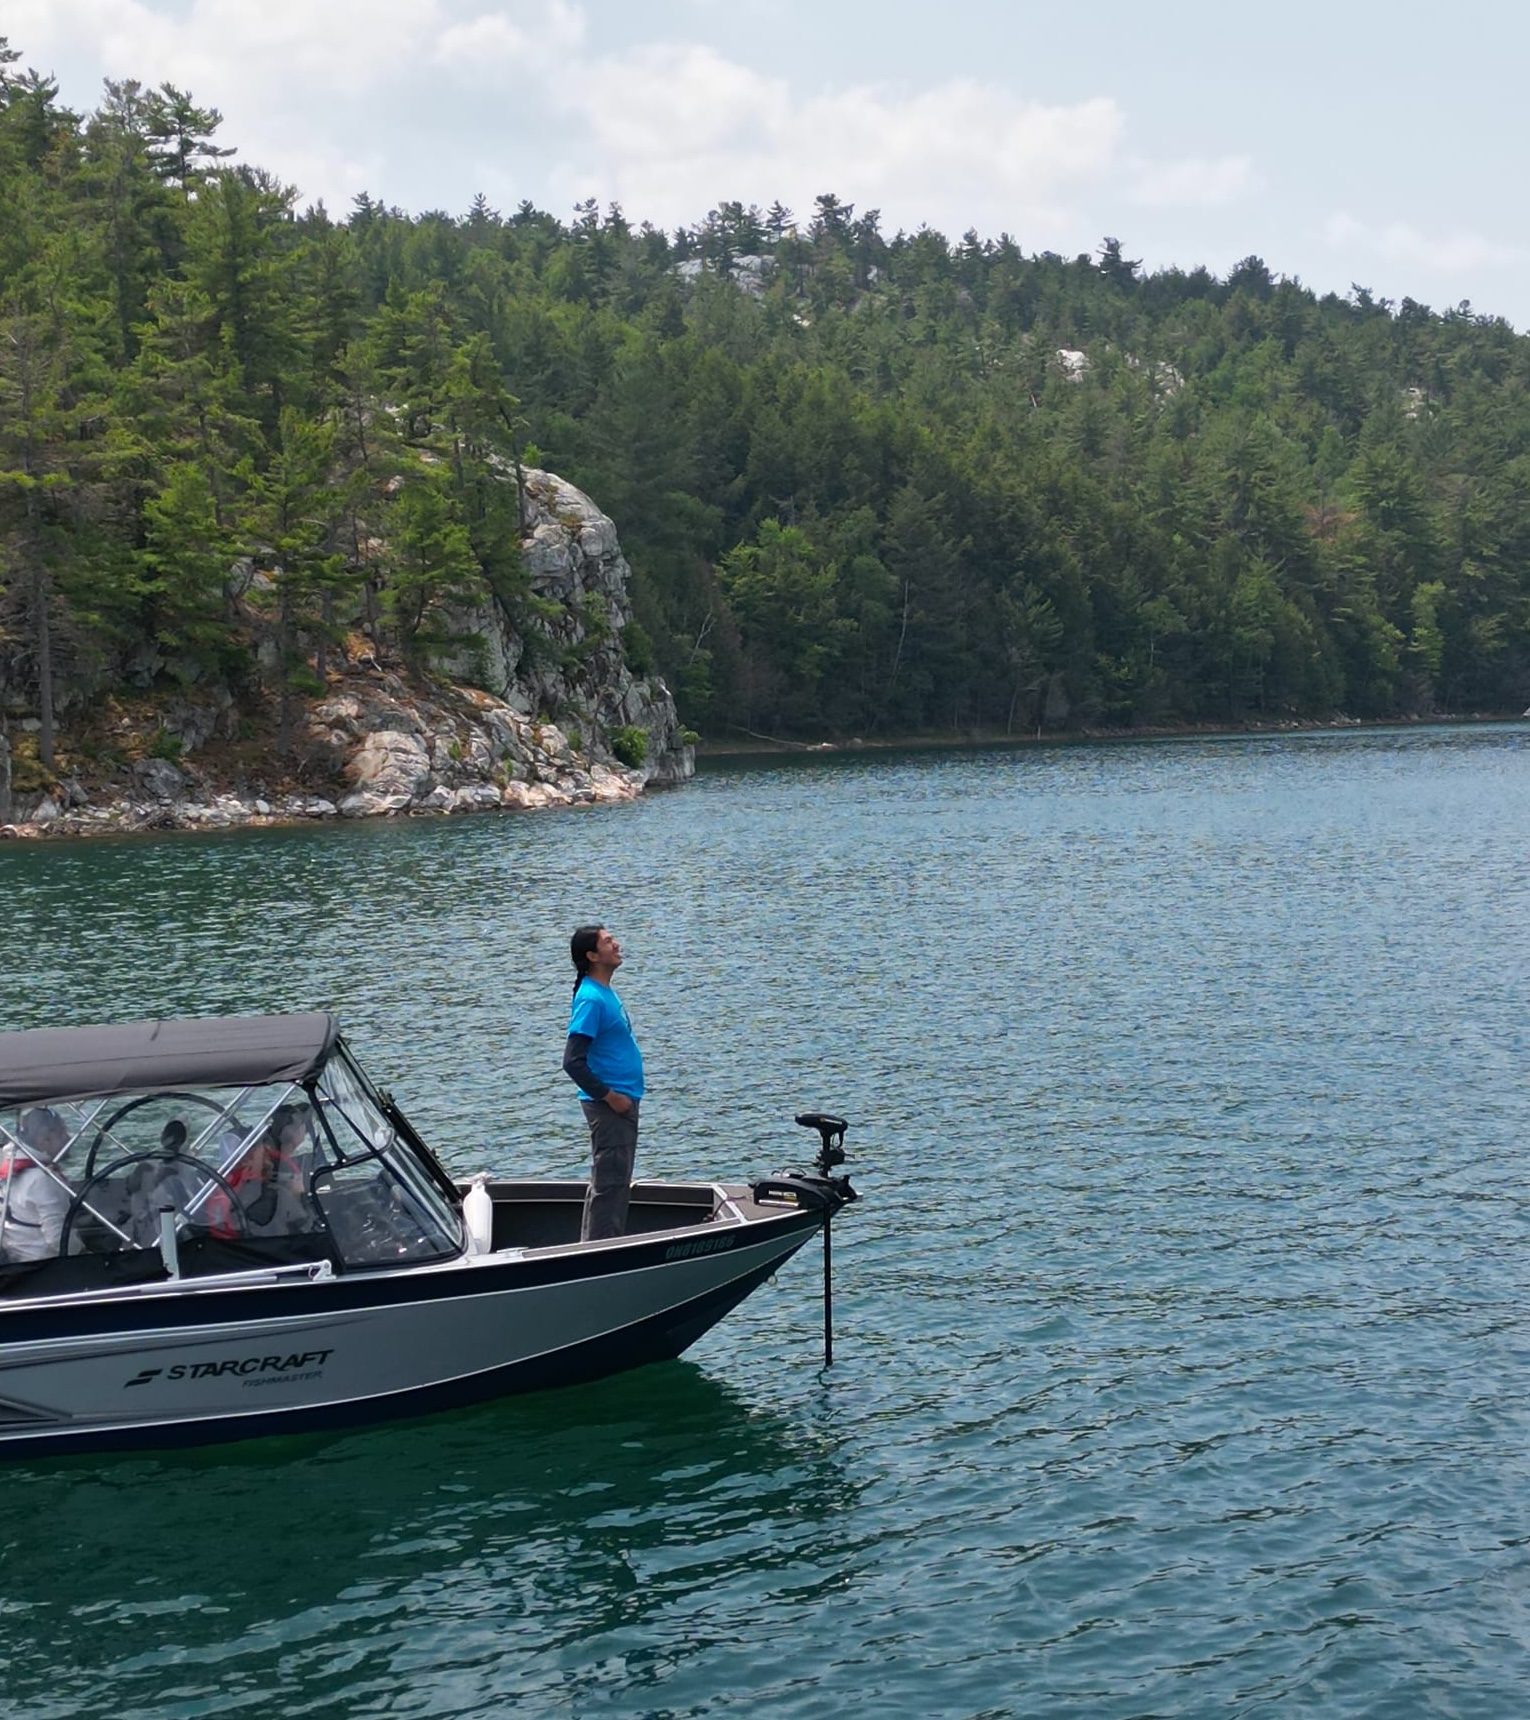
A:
(166, 797)
(379, 742)
(388, 752)
(469, 752)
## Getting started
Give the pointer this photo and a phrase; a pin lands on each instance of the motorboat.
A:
(220, 1229)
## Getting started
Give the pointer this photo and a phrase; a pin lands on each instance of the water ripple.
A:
(1180, 1335)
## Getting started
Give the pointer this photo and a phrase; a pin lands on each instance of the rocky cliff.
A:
(540, 711)
(573, 660)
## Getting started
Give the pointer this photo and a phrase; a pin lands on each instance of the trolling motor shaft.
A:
(817, 1190)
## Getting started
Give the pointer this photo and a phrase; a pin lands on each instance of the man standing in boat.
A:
(603, 1061)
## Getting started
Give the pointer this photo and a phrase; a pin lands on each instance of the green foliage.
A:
(866, 482)
(435, 566)
(595, 619)
(783, 594)
(637, 648)
(302, 679)
(630, 745)
(28, 772)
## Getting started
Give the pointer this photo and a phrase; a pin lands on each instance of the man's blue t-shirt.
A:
(601, 1016)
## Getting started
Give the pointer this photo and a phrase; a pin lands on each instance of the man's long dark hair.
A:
(581, 947)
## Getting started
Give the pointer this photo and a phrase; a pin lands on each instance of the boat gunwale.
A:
(547, 1264)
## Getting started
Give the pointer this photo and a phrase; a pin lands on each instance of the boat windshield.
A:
(380, 1201)
(280, 1171)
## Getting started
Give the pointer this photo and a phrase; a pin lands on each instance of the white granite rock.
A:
(389, 762)
(364, 804)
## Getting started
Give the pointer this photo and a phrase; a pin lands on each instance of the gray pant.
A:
(613, 1147)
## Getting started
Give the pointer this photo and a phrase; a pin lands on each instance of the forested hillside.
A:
(869, 484)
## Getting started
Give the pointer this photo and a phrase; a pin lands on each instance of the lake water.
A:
(1182, 1337)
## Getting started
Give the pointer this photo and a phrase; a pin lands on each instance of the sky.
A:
(1347, 144)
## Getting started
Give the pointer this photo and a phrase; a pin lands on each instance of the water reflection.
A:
(490, 1546)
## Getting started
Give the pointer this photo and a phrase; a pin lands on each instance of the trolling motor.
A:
(816, 1190)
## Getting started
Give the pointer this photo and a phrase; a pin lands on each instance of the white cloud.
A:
(307, 87)
(664, 104)
(1397, 242)
(331, 94)
(321, 172)
(226, 46)
(120, 33)
(347, 41)
(224, 49)
(676, 127)
(493, 43)
(1192, 183)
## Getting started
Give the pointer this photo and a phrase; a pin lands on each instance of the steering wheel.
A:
(200, 1166)
(132, 1105)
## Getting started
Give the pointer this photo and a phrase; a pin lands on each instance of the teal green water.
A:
(1182, 1334)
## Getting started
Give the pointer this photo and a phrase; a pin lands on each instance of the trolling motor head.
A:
(831, 1152)
(832, 1134)
(816, 1189)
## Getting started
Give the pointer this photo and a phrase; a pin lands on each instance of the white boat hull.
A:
(193, 1362)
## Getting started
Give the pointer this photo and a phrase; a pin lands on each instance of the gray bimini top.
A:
(227, 1051)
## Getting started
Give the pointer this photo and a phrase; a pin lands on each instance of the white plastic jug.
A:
(478, 1210)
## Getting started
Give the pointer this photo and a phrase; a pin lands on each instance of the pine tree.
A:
(180, 135)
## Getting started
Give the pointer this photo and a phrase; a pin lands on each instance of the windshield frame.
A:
(416, 1208)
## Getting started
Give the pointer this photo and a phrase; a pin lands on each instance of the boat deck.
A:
(548, 1214)
(527, 1215)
